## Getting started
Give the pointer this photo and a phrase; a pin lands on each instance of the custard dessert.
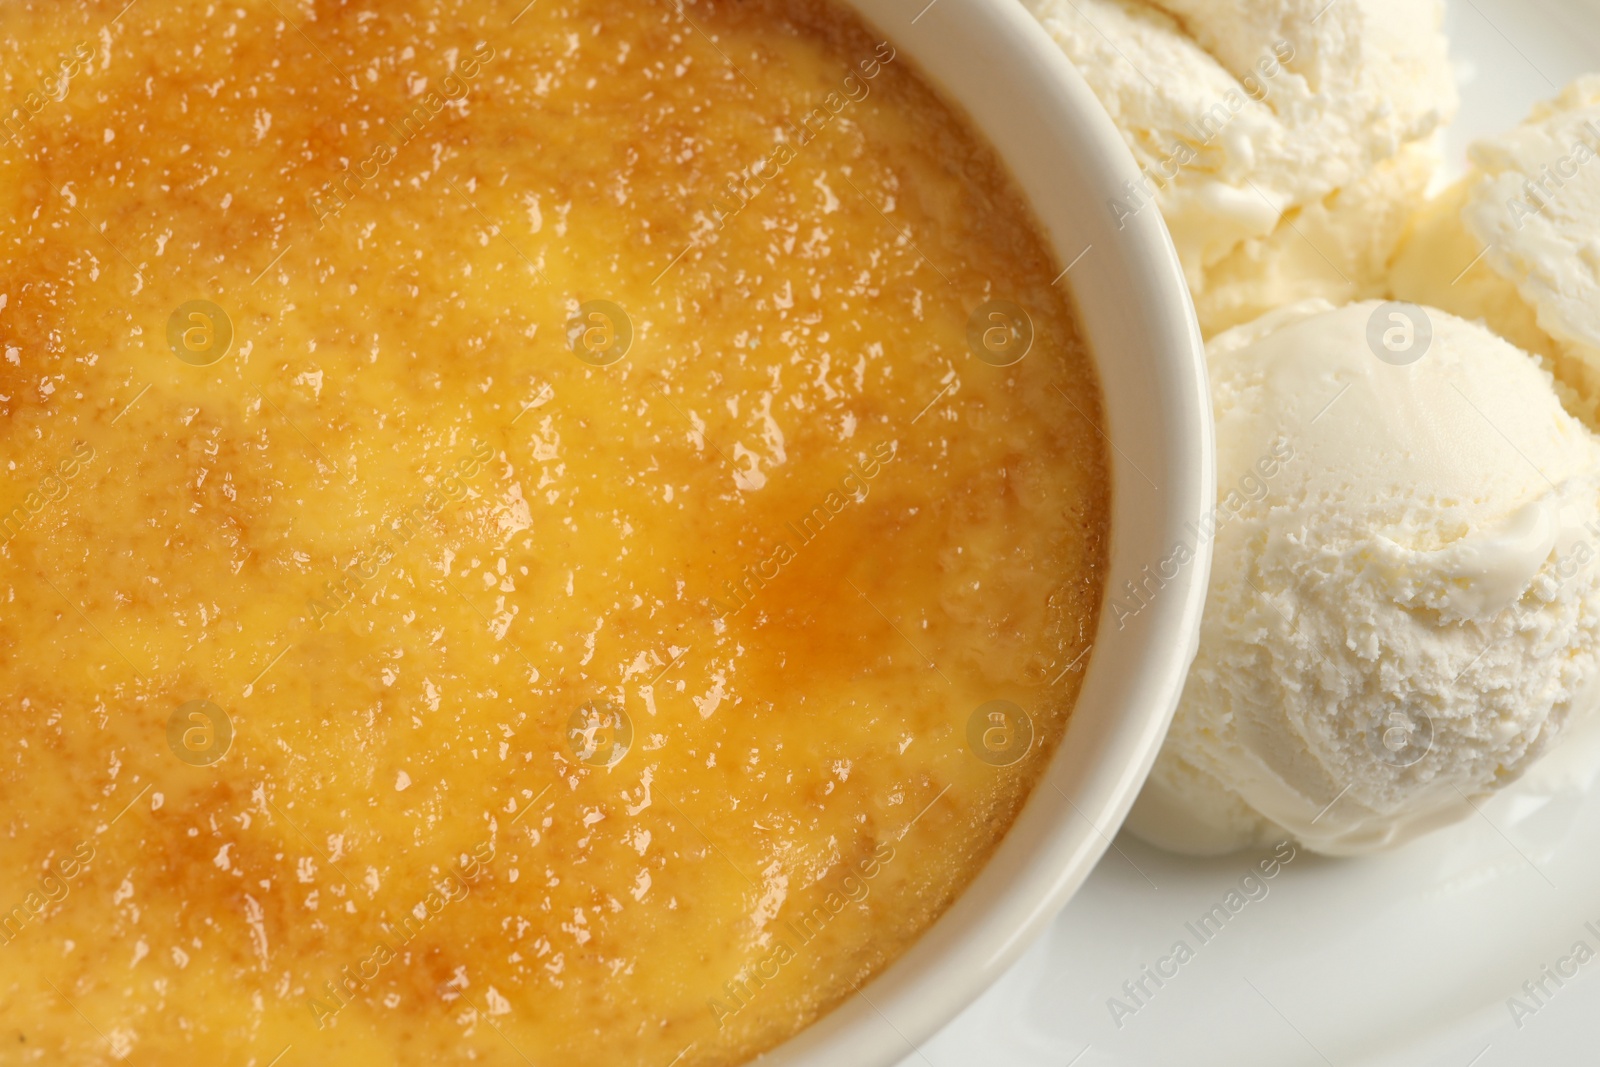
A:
(552, 534)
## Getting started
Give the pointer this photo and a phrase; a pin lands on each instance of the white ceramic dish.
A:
(1406, 959)
(994, 62)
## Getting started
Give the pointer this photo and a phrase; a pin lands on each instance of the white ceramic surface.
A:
(992, 60)
(1401, 960)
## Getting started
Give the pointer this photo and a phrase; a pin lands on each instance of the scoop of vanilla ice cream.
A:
(1516, 242)
(1536, 206)
(1370, 74)
(1337, 249)
(1242, 114)
(1404, 605)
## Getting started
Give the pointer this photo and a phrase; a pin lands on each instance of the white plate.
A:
(1401, 960)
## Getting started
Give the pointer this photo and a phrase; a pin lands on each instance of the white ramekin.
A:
(994, 62)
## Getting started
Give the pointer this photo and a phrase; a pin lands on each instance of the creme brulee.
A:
(518, 543)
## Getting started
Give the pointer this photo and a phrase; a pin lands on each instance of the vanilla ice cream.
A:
(1404, 606)
(1248, 117)
(1337, 249)
(1516, 242)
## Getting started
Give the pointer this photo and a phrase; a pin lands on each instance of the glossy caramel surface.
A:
(479, 587)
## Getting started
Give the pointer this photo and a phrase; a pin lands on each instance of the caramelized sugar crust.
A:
(773, 557)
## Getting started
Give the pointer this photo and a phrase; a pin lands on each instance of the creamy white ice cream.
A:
(1404, 606)
(1337, 249)
(1535, 205)
(1244, 113)
(1517, 241)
